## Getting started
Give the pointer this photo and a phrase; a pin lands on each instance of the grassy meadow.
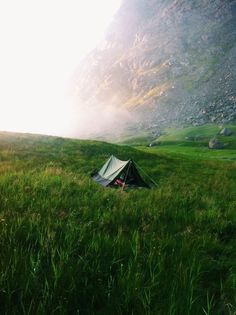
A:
(71, 246)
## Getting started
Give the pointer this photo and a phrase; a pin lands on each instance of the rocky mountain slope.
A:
(167, 62)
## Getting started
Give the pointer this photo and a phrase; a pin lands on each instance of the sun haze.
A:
(42, 42)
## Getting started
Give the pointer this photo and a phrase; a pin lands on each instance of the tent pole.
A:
(126, 176)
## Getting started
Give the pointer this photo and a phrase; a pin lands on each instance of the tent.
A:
(119, 173)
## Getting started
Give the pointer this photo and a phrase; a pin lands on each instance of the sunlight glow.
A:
(42, 42)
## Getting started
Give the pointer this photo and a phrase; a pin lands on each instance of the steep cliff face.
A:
(168, 62)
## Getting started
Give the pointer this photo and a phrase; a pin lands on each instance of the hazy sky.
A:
(42, 42)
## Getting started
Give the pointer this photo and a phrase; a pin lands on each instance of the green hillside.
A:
(190, 142)
(70, 246)
(193, 142)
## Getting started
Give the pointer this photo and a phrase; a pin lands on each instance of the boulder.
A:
(215, 144)
(225, 132)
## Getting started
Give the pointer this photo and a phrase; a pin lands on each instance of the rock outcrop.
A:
(226, 132)
(215, 144)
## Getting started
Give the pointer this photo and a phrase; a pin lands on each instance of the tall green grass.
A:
(70, 246)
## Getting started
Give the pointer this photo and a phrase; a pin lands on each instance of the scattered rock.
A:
(198, 138)
(190, 138)
(154, 144)
(225, 132)
(194, 138)
(215, 144)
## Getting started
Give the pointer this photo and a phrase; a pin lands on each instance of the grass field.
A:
(70, 246)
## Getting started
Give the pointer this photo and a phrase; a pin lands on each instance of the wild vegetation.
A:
(70, 246)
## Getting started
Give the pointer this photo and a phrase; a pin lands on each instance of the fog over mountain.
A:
(163, 63)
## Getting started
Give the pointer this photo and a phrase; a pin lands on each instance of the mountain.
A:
(163, 63)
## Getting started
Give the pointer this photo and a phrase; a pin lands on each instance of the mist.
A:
(42, 43)
(89, 121)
